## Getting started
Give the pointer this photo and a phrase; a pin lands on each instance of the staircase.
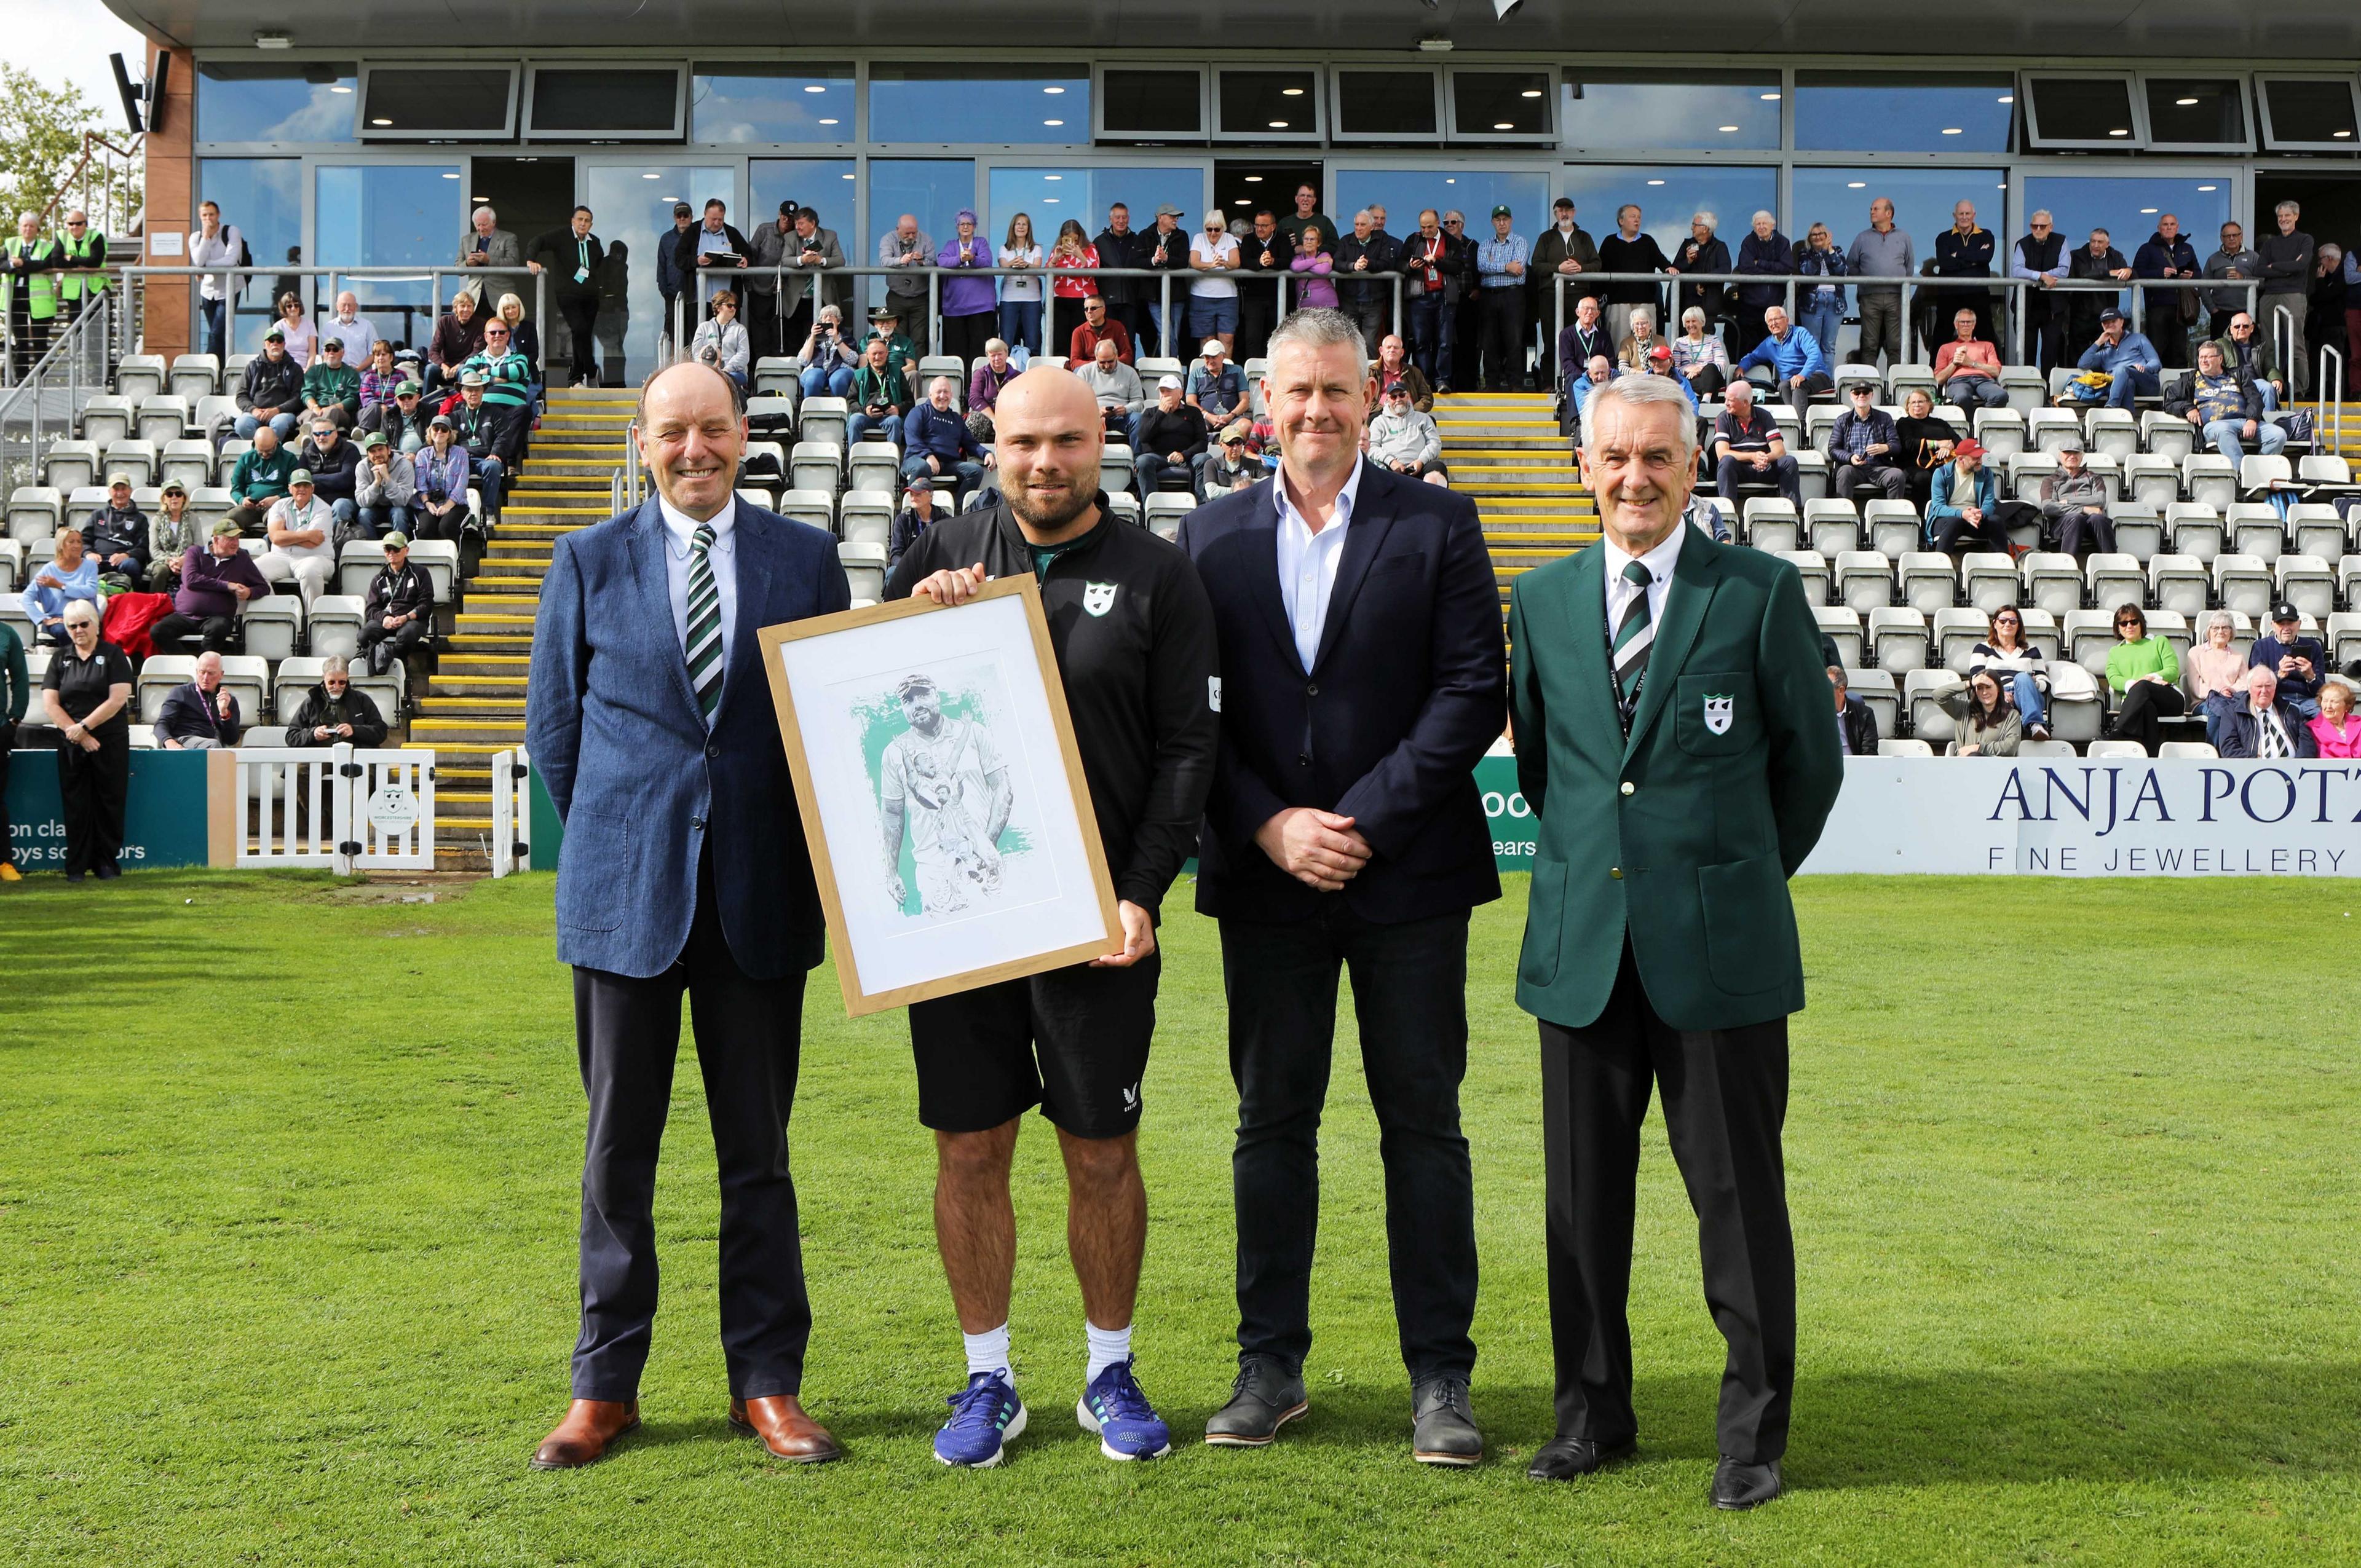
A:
(1504, 451)
(474, 705)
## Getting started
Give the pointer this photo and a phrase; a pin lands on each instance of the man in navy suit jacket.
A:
(1363, 677)
(684, 870)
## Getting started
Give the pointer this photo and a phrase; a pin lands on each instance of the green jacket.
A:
(327, 386)
(15, 684)
(1685, 835)
(258, 477)
(86, 255)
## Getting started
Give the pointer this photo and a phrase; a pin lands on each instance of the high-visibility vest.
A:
(72, 285)
(42, 288)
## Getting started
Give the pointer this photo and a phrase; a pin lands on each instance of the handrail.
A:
(432, 275)
(2320, 386)
(92, 142)
(67, 352)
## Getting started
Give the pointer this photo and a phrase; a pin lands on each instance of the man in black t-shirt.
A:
(1749, 448)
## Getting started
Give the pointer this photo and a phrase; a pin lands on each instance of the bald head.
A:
(692, 436)
(1047, 437)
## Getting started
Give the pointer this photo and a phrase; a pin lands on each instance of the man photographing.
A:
(1133, 639)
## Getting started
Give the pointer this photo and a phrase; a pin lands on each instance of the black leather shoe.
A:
(1570, 1458)
(1442, 1427)
(1737, 1485)
(1266, 1396)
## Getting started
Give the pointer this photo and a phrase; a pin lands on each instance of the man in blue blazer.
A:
(685, 869)
(1362, 677)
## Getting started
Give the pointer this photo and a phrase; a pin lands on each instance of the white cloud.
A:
(69, 41)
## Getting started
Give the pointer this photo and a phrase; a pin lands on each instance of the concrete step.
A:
(493, 733)
(476, 666)
(527, 586)
(473, 687)
(484, 751)
(485, 708)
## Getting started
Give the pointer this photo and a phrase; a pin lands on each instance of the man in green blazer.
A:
(1675, 744)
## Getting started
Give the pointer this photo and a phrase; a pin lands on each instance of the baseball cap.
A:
(406, 390)
(299, 476)
(1970, 447)
(2069, 443)
(1235, 434)
(923, 482)
(395, 541)
(2110, 315)
(1167, 211)
(683, 209)
(1564, 203)
(1661, 352)
(788, 209)
(1212, 345)
(274, 332)
(222, 525)
(1396, 390)
(1861, 388)
(374, 440)
(173, 487)
(914, 682)
(2285, 611)
(1500, 211)
(117, 477)
(336, 343)
(442, 420)
(1167, 384)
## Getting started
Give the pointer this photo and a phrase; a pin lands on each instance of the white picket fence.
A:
(512, 812)
(335, 808)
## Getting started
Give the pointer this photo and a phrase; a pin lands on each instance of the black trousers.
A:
(965, 337)
(1504, 337)
(749, 1038)
(1409, 993)
(396, 643)
(218, 633)
(2047, 317)
(7, 745)
(2144, 705)
(1725, 1094)
(1255, 304)
(93, 786)
(581, 317)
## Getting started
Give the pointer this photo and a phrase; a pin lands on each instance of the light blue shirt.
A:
(1492, 259)
(679, 527)
(1307, 563)
(81, 583)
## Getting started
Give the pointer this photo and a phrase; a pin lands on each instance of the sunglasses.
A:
(77, 223)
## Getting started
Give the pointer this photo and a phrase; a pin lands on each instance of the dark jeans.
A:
(1429, 331)
(627, 1032)
(378, 521)
(1504, 337)
(93, 786)
(1409, 986)
(1954, 531)
(2142, 705)
(1730, 473)
(1255, 307)
(174, 633)
(581, 317)
(2081, 530)
(1888, 480)
(212, 310)
(380, 648)
(1725, 1100)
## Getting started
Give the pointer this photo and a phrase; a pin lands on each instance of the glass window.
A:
(1923, 200)
(1386, 104)
(1153, 103)
(447, 101)
(2080, 110)
(1486, 103)
(2183, 112)
(1903, 110)
(1051, 196)
(633, 202)
(391, 214)
(978, 104)
(1259, 102)
(2128, 208)
(615, 102)
(1473, 193)
(262, 198)
(1613, 110)
(730, 102)
(823, 184)
(2307, 110)
(237, 102)
(932, 190)
(1667, 198)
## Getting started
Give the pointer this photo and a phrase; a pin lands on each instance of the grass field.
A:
(287, 1204)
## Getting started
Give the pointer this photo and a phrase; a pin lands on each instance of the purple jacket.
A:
(984, 386)
(967, 296)
(206, 578)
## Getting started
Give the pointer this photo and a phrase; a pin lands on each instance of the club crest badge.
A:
(1098, 597)
(1718, 714)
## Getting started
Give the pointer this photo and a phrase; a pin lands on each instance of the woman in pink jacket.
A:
(1314, 263)
(2336, 730)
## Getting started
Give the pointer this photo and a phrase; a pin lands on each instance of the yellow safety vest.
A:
(72, 285)
(42, 291)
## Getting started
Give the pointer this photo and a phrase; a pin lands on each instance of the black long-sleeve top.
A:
(1139, 674)
(1616, 254)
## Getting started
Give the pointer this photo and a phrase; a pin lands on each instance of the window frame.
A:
(1317, 96)
(1338, 133)
(1099, 98)
(2271, 142)
(2237, 79)
(1553, 79)
(679, 128)
(2028, 107)
(365, 132)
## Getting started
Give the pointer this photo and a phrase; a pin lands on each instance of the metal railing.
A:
(2331, 416)
(512, 812)
(46, 405)
(135, 279)
(683, 330)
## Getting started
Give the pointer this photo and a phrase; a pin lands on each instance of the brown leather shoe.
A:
(589, 1429)
(779, 1420)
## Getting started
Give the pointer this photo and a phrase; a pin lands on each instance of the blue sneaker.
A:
(984, 1420)
(1128, 1425)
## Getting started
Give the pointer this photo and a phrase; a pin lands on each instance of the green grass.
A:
(287, 1204)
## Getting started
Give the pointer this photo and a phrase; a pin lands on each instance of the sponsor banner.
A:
(163, 817)
(2095, 817)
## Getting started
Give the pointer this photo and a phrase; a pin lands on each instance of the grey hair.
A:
(1646, 312)
(2290, 208)
(1318, 328)
(1365, 212)
(1637, 391)
(335, 664)
(80, 609)
(2041, 212)
(485, 212)
(1692, 314)
(1707, 219)
(1215, 215)
(1735, 385)
(1765, 216)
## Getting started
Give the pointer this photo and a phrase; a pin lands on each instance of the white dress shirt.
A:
(1307, 562)
(355, 335)
(680, 528)
(1659, 563)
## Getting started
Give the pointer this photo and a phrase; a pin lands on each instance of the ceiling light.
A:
(1053, 122)
(1291, 92)
(2005, 98)
(845, 177)
(1770, 97)
(2147, 212)
(2209, 187)
(340, 87)
(1856, 184)
(1435, 46)
(447, 175)
(1061, 176)
(1726, 129)
(1451, 180)
(1655, 182)
(830, 122)
(2186, 102)
(1053, 92)
(667, 198)
(1045, 200)
(651, 176)
(1504, 125)
(1531, 92)
(2120, 131)
(380, 121)
(815, 87)
(1251, 178)
(2340, 133)
(1951, 130)
(1279, 124)
(273, 41)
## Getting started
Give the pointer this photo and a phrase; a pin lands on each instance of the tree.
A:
(40, 140)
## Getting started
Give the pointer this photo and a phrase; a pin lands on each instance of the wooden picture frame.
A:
(855, 692)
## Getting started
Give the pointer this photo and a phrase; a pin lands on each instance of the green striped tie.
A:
(703, 623)
(1633, 637)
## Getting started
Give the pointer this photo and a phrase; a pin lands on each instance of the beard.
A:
(1047, 514)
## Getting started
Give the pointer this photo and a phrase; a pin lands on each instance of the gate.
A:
(334, 808)
(512, 812)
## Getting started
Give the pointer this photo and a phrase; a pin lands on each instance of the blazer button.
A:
(1628, 787)
(1303, 759)
(1312, 690)
(713, 749)
(698, 824)
(1615, 871)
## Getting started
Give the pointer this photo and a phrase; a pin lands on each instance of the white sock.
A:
(988, 1352)
(1108, 1347)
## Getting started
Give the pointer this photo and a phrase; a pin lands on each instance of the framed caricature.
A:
(942, 795)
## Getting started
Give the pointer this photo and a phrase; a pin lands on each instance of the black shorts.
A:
(1073, 1041)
